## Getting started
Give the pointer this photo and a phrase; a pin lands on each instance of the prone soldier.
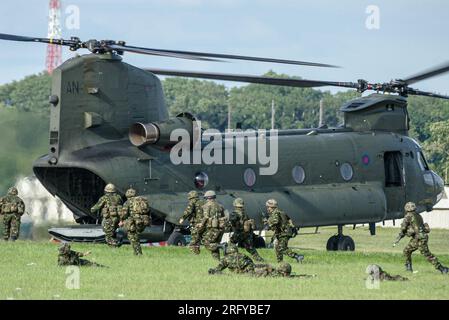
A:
(414, 227)
(281, 225)
(11, 208)
(242, 228)
(68, 257)
(240, 263)
(135, 216)
(376, 273)
(215, 222)
(194, 213)
(109, 205)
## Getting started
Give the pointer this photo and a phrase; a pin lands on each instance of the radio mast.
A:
(54, 56)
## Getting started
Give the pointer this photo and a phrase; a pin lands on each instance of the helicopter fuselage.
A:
(363, 172)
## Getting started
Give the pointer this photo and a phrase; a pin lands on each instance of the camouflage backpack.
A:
(141, 207)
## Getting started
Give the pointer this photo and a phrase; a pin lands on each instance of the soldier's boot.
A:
(138, 251)
(408, 267)
(443, 269)
(13, 238)
(298, 257)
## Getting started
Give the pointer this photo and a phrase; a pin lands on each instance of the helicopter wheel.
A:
(332, 243)
(346, 243)
(340, 243)
(176, 239)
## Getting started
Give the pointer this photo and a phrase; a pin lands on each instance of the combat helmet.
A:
(410, 207)
(285, 268)
(64, 248)
(109, 188)
(272, 203)
(373, 270)
(13, 191)
(130, 193)
(192, 194)
(239, 203)
(210, 194)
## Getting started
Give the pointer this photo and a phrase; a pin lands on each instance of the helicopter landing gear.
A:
(340, 242)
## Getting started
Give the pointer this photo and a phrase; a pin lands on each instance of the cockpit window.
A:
(422, 162)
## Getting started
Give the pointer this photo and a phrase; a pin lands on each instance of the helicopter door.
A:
(394, 183)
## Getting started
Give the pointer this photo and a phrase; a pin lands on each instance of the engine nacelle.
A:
(158, 133)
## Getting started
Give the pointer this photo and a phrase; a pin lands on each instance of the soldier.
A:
(281, 224)
(242, 229)
(109, 206)
(11, 208)
(239, 263)
(214, 221)
(135, 216)
(194, 213)
(68, 257)
(376, 273)
(413, 226)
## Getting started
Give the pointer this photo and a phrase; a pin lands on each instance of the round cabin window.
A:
(249, 176)
(298, 174)
(201, 180)
(346, 171)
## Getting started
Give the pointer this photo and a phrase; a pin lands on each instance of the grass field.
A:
(28, 270)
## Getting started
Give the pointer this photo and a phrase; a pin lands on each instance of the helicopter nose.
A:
(439, 186)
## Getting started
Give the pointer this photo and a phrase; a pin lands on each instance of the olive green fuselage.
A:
(100, 97)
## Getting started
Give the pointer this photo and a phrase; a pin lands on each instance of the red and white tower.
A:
(54, 56)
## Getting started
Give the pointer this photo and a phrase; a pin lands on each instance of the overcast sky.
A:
(412, 35)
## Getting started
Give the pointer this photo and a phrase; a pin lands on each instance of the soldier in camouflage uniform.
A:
(194, 213)
(413, 226)
(281, 225)
(109, 205)
(242, 229)
(214, 222)
(239, 263)
(376, 273)
(68, 257)
(135, 216)
(11, 208)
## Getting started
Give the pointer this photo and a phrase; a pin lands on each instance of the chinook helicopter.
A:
(109, 123)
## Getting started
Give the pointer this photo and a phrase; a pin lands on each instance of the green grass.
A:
(175, 273)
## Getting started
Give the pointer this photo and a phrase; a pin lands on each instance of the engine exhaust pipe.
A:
(158, 133)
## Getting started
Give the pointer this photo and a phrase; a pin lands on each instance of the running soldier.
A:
(242, 229)
(11, 208)
(109, 206)
(194, 213)
(281, 225)
(214, 221)
(135, 216)
(414, 227)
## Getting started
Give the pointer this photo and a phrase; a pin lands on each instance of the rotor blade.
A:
(62, 42)
(235, 57)
(155, 52)
(301, 83)
(416, 92)
(428, 73)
